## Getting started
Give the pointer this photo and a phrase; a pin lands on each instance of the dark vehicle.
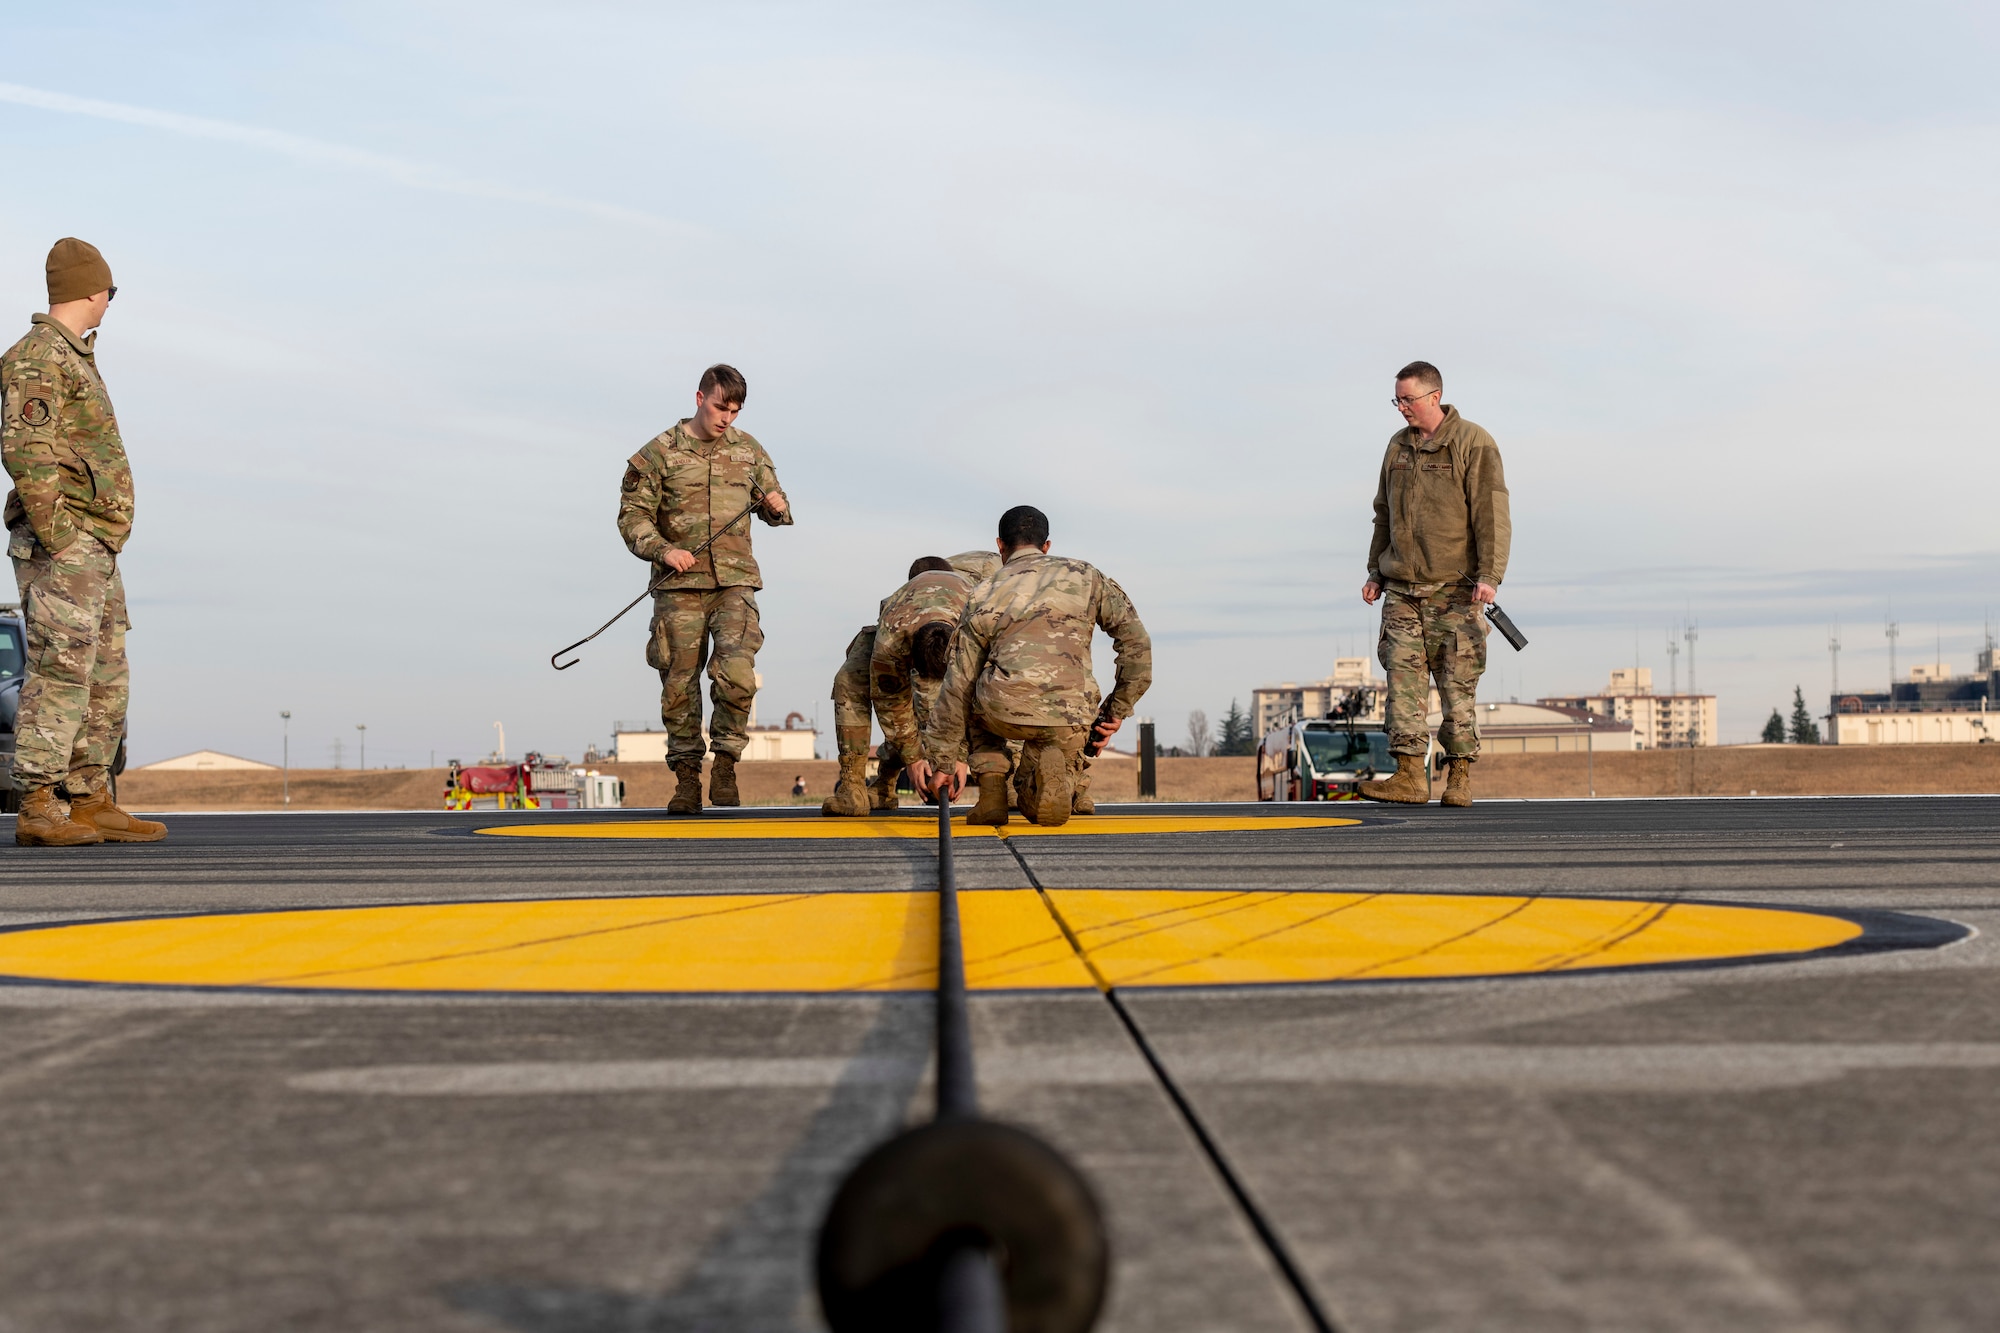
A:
(13, 671)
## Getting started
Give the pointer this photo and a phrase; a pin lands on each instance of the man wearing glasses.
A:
(1442, 531)
(67, 519)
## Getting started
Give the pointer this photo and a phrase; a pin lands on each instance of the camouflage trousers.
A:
(995, 747)
(73, 701)
(852, 724)
(1435, 636)
(716, 628)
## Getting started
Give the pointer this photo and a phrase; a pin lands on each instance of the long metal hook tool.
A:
(757, 499)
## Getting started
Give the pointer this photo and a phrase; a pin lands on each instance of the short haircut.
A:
(930, 649)
(1023, 525)
(1424, 373)
(924, 564)
(725, 381)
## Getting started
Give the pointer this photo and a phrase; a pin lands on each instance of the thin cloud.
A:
(416, 175)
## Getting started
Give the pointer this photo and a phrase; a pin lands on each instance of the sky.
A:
(402, 286)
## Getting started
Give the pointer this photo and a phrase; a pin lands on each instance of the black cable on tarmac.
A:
(1273, 1244)
(963, 1225)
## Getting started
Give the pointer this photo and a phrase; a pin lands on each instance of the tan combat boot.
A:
(100, 812)
(1458, 784)
(1079, 800)
(722, 782)
(1410, 784)
(850, 794)
(888, 768)
(43, 823)
(687, 795)
(992, 807)
(1045, 790)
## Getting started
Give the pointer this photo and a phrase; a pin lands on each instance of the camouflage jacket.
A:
(1441, 509)
(979, 564)
(59, 441)
(1022, 654)
(903, 700)
(678, 489)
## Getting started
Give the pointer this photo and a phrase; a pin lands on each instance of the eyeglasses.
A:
(110, 295)
(1400, 401)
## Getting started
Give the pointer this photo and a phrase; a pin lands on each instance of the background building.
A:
(204, 761)
(1274, 705)
(645, 742)
(1932, 707)
(1659, 721)
(1545, 728)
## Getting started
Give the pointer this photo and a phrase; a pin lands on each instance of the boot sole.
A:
(1052, 793)
(1395, 800)
(110, 836)
(31, 841)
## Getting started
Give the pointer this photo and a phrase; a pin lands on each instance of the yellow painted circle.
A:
(907, 827)
(862, 942)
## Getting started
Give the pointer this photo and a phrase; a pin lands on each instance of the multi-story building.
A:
(1932, 707)
(1274, 705)
(1659, 721)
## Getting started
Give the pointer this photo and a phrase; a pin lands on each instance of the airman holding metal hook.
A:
(683, 486)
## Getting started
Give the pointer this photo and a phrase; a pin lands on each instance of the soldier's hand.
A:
(1485, 592)
(929, 781)
(1372, 590)
(677, 560)
(774, 501)
(1106, 729)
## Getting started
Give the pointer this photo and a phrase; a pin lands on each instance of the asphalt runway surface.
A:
(1807, 1143)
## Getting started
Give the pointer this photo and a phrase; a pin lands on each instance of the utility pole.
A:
(362, 727)
(1890, 629)
(1833, 651)
(287, 715)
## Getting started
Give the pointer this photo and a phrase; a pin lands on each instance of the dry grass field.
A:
(1735, 770)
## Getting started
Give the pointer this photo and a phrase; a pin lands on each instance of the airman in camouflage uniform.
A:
(876, 680)
(67, 519)
(680, 489)
(929, 595)
(1020, 670)
(1442, 534)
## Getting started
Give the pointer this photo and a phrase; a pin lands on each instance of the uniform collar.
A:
(1021, 553)
(1440, 438)
(688, 440)
(85, 344)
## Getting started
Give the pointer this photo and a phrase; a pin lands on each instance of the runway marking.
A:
(925, 829)
(849, 943)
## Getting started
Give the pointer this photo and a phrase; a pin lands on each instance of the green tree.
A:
(1236, 735)
(1805, 731)
(1774, 730)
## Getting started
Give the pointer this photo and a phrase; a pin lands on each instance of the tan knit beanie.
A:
(76, 271)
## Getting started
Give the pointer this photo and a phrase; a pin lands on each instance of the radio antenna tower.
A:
(1890, 629)
(1673, 663)
(1691, 633)
(1833, 651)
